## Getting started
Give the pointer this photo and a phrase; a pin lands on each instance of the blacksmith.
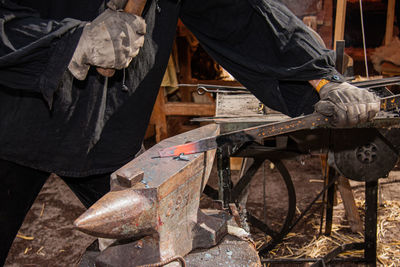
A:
(58, 115)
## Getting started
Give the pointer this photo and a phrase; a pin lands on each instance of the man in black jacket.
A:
(57, 114)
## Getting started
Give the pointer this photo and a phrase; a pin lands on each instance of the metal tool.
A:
(212, 88)
(257, 133)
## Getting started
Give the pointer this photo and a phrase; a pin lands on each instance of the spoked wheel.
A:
(277, 233)
(239, 190)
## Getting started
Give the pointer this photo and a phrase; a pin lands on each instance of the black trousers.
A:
(19, 187)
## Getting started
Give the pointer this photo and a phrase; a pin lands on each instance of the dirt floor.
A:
(47, 237)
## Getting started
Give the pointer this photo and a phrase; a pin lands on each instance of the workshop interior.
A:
(227, 180)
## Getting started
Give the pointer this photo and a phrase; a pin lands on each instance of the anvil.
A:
(158, 199)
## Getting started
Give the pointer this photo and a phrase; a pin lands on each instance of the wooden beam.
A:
(158, 117)
(389, 21)
(349, 204)
(189, 109)
(340, 21)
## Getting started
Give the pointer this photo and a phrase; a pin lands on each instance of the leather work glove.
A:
(110, 41)
(347, 104)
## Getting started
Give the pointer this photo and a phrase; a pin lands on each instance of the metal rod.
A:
(305, 260)
(364, 43)
(330, 201)
(371, 218)
(340, 45)
(224, 175)
(264, 194)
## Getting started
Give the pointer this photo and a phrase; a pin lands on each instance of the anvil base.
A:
(231, 251)
(214, 248)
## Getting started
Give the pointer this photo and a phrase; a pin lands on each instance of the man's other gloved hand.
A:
(347, 104)
(110, 41)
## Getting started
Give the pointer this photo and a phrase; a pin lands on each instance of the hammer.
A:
(134, 7)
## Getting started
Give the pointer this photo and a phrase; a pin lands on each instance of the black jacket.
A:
(52, 122)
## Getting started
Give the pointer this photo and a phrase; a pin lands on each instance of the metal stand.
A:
(224, 175)
(230, 194)
(369, 244)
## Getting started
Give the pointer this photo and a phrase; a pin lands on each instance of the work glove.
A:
(110, 41)
(347, 104)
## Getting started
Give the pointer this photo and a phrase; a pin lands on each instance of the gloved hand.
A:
(347, 104)
(110, 41)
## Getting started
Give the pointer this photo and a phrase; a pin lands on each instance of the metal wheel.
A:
(276, 234)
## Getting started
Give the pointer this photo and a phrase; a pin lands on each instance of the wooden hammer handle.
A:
(134, 7)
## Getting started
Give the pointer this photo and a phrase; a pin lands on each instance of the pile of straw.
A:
(300, 245)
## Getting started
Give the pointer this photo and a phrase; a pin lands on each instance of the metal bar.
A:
(264, 228)
(371, 218)
(340, 55)
(376, 83)
(364, 43)
(305, 260)
(332, 176)
(224, 175)
(260, 132)
(250, 134)
(214, 88)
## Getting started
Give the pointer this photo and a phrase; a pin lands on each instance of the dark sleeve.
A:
(263, 45)
(258, 36)
(34, 52)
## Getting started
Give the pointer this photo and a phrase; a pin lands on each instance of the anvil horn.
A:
(120, 214)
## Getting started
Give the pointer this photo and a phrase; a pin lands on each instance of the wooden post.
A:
(340, 21)
(389, 21)
(159, 118)
(349, 205)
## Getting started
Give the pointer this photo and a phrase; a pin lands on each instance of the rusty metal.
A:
(250, 134)
(259, 133)
(158, 199)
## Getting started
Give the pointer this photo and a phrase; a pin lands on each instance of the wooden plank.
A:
(349, 204)
(189, 109)
(240, 105)
(390, 21)
(340, 21)
(158, 117)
